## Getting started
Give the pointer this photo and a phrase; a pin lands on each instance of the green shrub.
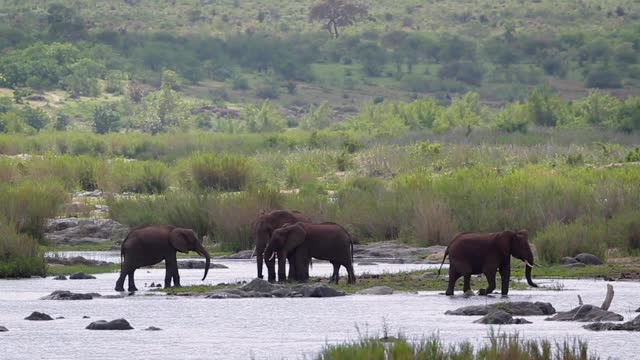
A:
(143, 177)
(633, 155)
(220, 171)
(19, 253)
(559, 240)
(29, 204)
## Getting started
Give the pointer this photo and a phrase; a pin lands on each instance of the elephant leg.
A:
(259, 260)
(282, 267)
(121, 278)
(491, 279)
(132, 284)
(336, 272)
(171, 272)
(292, 276)
(505, 274)
(453, 277)
(352, 276)
(271, 269)
(467, 283)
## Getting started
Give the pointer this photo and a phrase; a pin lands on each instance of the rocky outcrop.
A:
(500, 317)
(3, 329)
(633, 325)
(568, 260)
(197, 264)
(399, 252)
(586, 313)
(81, 276)
(317, 290)
(244, 254)
(76, 260)
(520, 308)
(67, 295)
(60, 277)
(260, 285)
(152, 328)
(117, 324)
(376, 290)
(84, 231)
(38, 316)
(261, 288)
(588, 259)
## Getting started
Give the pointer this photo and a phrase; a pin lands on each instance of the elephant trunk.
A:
(527, 272)
(203, 252)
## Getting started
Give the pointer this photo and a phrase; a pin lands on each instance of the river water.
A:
(289, 328)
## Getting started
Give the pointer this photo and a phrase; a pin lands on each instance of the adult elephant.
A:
(325, 241)
(484, 253)
(263, 227)
(149, 245)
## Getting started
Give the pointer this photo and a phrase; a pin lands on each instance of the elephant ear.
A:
(295, 236)
(181, 240)
(504, 242)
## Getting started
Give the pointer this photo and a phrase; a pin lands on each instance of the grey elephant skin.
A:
(263, 228)
(486, 253)
(149, 245)
(325, 241)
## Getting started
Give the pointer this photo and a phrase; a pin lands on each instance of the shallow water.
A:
(291, 328)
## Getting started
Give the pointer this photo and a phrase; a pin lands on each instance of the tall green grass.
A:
(19, 253)
(498, 347)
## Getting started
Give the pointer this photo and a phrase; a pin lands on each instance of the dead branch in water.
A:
(607, 300)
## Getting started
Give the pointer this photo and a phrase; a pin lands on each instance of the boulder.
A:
(317, 290)
(396, 250)
(152, 328)
(76, 260)
(118, 324)
(60, 277)
(568, 260)
(589, 259)
(633, 325)
(86, 317)
(260, 286)
(638, 310)
(283, 292)
(376, 290)
(84, 231)
(3, 329)
(367, 263)
(521, 308)
(38, 316)
(81, 276)
(197, 264)
(586, 313)
(67, 295)
(500, 317)
(573, 265)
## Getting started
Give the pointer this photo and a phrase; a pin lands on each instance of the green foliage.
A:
(317, 117)
(633, 155)
(142, 177)
(372, 56)
(62, 122)
(263, 117)
(105, 119)
(20, 255)
(512, 118)
(465, 111)
(544, 108)
(219, 171)
(36, 118)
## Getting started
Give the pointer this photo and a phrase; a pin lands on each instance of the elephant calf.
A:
(146, 246)
(326, 241)
(486, 253)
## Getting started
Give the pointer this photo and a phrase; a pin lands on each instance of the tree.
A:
(372, 56)
(36, 118)
(105, 119)
(64, 22)
(337, 13)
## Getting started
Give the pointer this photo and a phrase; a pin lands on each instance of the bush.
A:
(142, 177)
(215, 171)
(466, 71)
(240, 83)
(633, 155)
(559, 240)
(105, 119)
(268, 91)
(603, 78)
(36, 118)
(19, 253)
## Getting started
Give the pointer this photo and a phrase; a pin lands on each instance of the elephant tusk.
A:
(253, 253)
(273, 255)
(527, 264)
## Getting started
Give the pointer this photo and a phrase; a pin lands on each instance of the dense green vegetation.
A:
(409, 120)
(498, 346)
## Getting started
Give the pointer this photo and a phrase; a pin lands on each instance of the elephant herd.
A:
(292, 236)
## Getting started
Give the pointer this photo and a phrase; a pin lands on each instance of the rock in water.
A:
(586, 313)
(521, 308)
(633, 325)
(260, 285)
(3, 329)
(589, 259)
(38, 316)
(81, 276)
(500, 317)
(376, 290)
(152, 328)
(66, 295)
(317, 290)
(60, 277)
(196, 264)
(638, 310)
(118, 324)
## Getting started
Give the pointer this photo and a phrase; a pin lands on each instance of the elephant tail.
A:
(446, 253)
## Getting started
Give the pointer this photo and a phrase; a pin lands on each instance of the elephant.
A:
(484, 253)
(148, 245)
(263, 227)
(325, 241)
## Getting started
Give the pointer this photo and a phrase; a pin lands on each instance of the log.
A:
(580, 300)
(607, 300)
